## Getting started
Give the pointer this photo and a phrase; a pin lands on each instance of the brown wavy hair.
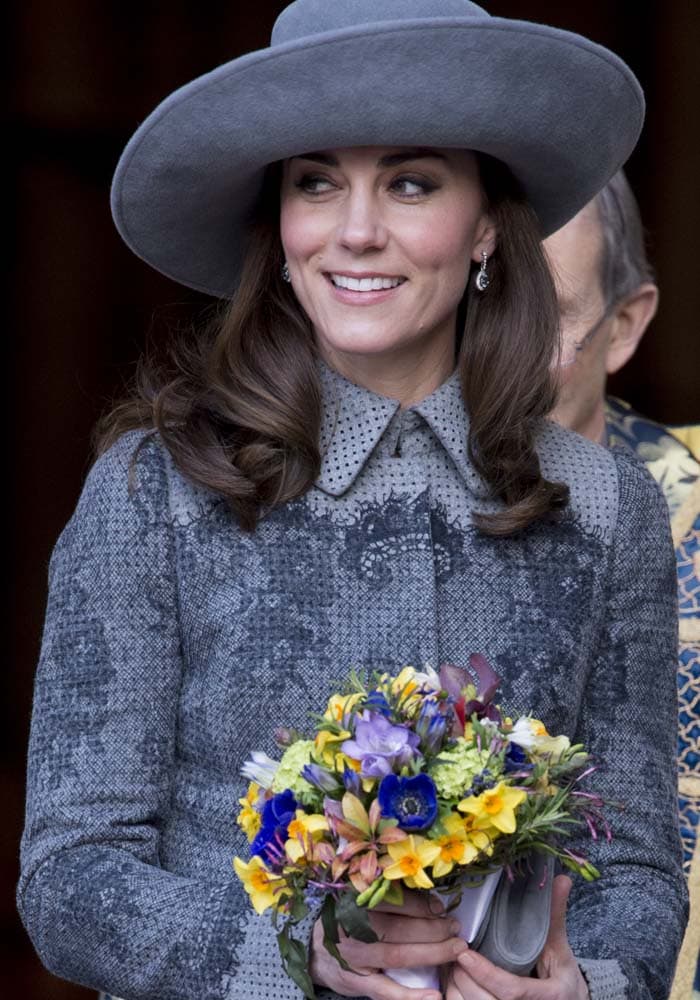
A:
(239, 404)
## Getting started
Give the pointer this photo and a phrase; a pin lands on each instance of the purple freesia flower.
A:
(320, 778)
(381, 746)
(411, 801)
(351, 780)
(332, 809)
(431, 726)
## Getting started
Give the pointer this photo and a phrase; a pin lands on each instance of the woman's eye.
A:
(412, 187)
(314, 184)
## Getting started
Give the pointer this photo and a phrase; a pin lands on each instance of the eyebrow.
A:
(392, 160)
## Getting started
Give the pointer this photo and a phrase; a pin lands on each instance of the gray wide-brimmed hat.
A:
(562, 112)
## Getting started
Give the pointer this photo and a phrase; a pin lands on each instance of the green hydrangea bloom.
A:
(288, 774)
(454, 770)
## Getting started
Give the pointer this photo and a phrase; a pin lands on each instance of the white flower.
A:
(428, 678)
(261, 769)
(531, 734)
(522, 733)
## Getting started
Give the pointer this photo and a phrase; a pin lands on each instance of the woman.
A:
(370, 193)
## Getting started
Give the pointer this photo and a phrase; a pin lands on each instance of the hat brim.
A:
(562, 112)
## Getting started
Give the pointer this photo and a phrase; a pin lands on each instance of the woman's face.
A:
(379, 242)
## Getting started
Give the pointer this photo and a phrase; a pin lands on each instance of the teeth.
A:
(364, 284)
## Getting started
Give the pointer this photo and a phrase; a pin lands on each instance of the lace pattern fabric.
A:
(170, 634)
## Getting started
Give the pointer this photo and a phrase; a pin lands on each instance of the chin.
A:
(363, 343)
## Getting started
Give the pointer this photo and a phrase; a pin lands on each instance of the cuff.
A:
(604, 978)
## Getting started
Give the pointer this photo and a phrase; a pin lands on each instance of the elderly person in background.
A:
(608, 298)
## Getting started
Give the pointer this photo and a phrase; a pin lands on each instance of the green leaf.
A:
(331, 937)
(356, 684)
(354, 919)
(295, 962)
(394, 894)
(329, 920)
(299, 909)
(324, 725)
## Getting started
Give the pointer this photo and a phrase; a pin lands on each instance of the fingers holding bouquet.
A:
(404, 942)
(414, 789)
(421, 919)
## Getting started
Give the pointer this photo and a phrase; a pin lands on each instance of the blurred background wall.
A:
(80, 76)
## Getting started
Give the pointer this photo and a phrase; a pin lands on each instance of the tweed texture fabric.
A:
(174, 643)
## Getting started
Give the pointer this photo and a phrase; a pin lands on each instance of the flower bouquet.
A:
(416, 781)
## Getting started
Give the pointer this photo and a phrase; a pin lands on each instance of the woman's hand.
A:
(473, 977)
(409, 936)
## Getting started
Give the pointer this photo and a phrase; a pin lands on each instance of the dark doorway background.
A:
(81, 75)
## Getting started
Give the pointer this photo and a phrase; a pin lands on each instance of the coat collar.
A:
(354, 420)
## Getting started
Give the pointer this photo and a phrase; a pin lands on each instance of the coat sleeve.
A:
(630, 922)
(95, 901)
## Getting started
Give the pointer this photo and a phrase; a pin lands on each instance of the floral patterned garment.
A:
(172, 637)
(677, 471)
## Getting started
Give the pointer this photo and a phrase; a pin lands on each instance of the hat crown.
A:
(312, 17)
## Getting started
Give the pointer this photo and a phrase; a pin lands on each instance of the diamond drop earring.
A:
(285, 273)
(482, 279)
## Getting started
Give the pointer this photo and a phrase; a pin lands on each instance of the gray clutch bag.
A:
(515, 929)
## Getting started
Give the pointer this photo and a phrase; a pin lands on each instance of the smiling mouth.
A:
(365, 284)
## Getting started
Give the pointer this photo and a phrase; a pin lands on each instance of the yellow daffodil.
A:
(340, 706)
(262, 886)
(303, 831)
(327, 748)
(427, 678)
(342, 761)
(481, 833)
(249, 818)
(496, 806)
(456, 846)
(407, 685)
(405, 682)
(408, 859)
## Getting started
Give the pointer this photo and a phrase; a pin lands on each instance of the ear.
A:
(485, 238)
(629, 321)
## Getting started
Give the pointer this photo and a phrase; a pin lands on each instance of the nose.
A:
(360, 228)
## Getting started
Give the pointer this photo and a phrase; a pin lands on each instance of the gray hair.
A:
(624, 264)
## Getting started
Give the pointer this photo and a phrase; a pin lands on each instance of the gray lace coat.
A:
(174, 643)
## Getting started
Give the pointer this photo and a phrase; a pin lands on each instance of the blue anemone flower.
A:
(516, 758)
(277, 814)
(411, 801)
